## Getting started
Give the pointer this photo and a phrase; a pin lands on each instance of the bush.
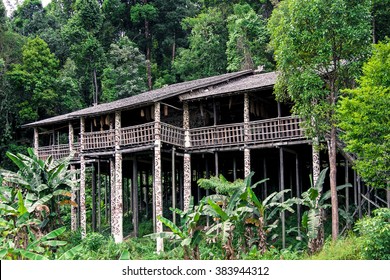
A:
(94, 241)
(375, 235)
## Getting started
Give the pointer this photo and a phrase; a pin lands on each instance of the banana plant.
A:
(313, 219)
(44, 183)
(243, 210)
(189, 233)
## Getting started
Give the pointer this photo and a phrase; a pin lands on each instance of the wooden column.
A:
(297, 184)
(117, 218)
(247, 153)
(173, 184)
(187, 158)
(234, 169)
(134, 192)
(93, 197)
(265, 176)
(281, 188)
(112, 192)
(36, 141)
(359, 198)
(316, 161)
(157, 174)
(83, 213)
(73, 210)
(347, 190)
(388, 197)
(216, 162)
(99, 196)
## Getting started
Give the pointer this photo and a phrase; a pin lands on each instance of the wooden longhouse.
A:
(145, 152)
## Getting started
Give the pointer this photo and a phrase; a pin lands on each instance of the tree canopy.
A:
(364, 117)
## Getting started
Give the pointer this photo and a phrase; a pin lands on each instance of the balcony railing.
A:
(172, 135)
(239, 134)
(99, 140)
(221, 135)
(137, 135)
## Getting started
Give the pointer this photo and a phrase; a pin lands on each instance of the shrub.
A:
(375, 235)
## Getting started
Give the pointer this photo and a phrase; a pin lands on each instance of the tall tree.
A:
(319, 45)
(248, 38)
(125, 74)
(34, 79)
(206, 55)
(364, 115)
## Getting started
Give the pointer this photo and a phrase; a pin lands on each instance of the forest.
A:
(72, 54)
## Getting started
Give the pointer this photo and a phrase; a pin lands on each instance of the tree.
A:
(206, 55)
(125, 74)
(319, 46)
(364, 117)
(246, 47)
(35, 80)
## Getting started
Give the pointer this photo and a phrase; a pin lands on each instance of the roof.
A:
(250, 83)
(196, 89)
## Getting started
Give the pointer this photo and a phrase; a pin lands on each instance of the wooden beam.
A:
(117, 222)
(173, 185)
(281, 188)
(83, 212)
(93, 179)
(134, 192)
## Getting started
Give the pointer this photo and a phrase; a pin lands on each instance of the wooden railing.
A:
(172, 135)
(56, 151)
(258, 132)
(99, 140)
(273, 130)
(137, 135)
(221, 135)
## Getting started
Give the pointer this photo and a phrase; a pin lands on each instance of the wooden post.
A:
(157, 174)
(106, 206)
(173, 185)
(93, 197)
(207, 190)
(134, 192)
(234, 169)
(83, 213)
(298, 194)
(388, 197)
(73, 210)
(99, 185)
(281, 188)
(36, 141)
(247, 154)
(112, 192)
(216, 164)
(355, 188)
(265, 176)
(117, 217)
(187, 158)
(347, 191)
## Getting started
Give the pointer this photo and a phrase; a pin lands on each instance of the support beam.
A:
(36, 141)
(216, 164)
(157, 174)
(117, 218)
(388, 197)
(281, 188)
(316, 161)
(346, 173)
(99, 196)
(134, 192)
(112, 193)
(247, 152)
(187, 181)
(359, 198)
(73, 209)
(93, 179)
(234, 169)
(173, 184)
(265, 177)
(83, 212)
(297, 184)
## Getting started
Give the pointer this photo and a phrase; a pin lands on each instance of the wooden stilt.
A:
(207, 191)
(359, 198)
(388, 197)
(281, 188)
(73, 209)
(93, 197)
(346, 189)
(355, 188)
(99, 198)
(173, 180)
(187, 181)
(216, 164)
(117, 221)
(157, 175)
(82, 206)
(153, 200)
(265, 176)
(134, 185)
(181, 187)
(234, 169)
(106, 204)
(298, 194)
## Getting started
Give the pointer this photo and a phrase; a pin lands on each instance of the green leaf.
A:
(54, 234)
(172, 226)
(125, 255)
(21, 207)
(71, 253)
(218, 210)
(32, 256)
(54, 243)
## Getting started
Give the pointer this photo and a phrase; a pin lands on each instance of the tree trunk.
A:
(148, 56)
